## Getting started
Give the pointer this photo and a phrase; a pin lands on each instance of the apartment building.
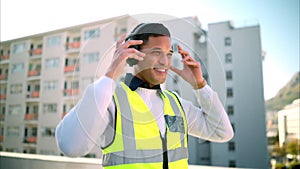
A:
(43, 76)
(238, 49)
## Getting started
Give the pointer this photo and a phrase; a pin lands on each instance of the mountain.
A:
(285, 95)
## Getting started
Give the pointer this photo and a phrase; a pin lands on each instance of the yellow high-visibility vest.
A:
(134, 141)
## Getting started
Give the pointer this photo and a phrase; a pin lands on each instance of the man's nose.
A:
(164, 59)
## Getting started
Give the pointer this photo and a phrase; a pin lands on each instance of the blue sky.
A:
(278, 20)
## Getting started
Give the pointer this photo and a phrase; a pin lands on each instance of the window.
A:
(50, 108)
(17, 68)
(52, 63)
(16, 89)
(232, 163)
(231, 146)
(227, 41)
(14, 109)
(228, 58)
(51, 85)
(75, 85)
(230, 110)
(54, 41)
(228, 75)
(13, 131)
(19, 48)
(89, 34)
(48, 131)
(91, 57)
(229, 92)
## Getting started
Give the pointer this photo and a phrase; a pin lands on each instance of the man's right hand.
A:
(122, 53)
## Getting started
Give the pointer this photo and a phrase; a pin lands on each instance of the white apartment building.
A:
(289, 122)
(43, 76)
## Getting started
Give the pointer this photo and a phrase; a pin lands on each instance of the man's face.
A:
(154, 68)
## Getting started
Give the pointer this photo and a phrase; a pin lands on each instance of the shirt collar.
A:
(134, 82)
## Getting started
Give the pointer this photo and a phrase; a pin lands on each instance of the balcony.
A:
(63, 115)
(34, 73)
(2, 117)
(5, 57)
(2, 96)
(3, 77)
(31, 139)
(37, 51)
(34, 94)
(72, 68)
(74, 45)
(30, 116)
(71, 92)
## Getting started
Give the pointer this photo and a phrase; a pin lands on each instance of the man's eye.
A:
(156, 52)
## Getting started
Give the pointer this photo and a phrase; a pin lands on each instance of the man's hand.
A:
(121, 54)
(191, 71)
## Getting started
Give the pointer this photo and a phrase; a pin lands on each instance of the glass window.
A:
(16, 88)
(17, 68)
(54, 41)
(52, 63)
(13, 131)
(227, 41)
(93, 33)
(50, 85)
(231, 146)
(19, 48)
(50, 108)
(228, 58)
(48, 131)
(228, 75)
(230, 110)
(232, 163)
(14, 109)
(229, 92)
(91, 57)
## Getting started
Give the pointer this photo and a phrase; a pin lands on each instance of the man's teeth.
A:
(161, 70)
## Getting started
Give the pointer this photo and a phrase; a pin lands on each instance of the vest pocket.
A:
(175, 123)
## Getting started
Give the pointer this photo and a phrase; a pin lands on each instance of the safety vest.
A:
(134, 141)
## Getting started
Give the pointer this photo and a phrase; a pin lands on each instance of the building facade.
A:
(238, 49)
(43, 76)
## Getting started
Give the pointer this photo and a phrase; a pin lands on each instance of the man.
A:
(136, 123)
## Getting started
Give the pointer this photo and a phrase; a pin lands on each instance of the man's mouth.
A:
(161, 70)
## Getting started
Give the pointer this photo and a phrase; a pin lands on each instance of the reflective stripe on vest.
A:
(136, 141)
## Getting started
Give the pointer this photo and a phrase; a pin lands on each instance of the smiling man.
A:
(135, 122)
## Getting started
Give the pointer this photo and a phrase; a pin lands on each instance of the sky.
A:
(278, 20)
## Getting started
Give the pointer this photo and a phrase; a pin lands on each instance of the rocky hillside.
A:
(286, 95)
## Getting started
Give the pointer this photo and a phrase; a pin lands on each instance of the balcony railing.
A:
(34, 73)
(71, 92)
(2, 96)
(30, 116)
(63, 114)
(31, 139)
(37, 51)
(5, 57)
(1, 117)
(35, 94)
(3, 77)
(72, 68)
(73, 45)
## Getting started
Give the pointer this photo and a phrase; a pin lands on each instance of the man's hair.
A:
(144, 30)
